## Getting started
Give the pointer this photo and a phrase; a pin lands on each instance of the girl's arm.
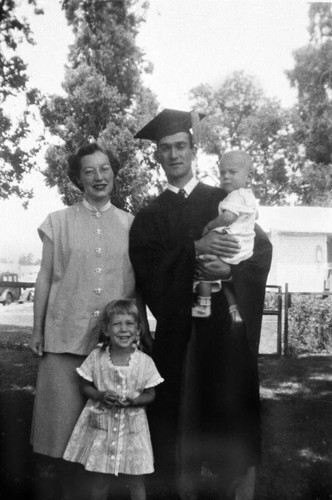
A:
(89, 391)
(108, 398)
(143, 399)
(226, 218)
(42, 292)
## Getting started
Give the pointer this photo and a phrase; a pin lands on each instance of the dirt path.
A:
(22, 314)
(16, 314)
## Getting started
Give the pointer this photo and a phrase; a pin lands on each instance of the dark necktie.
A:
(182, 194)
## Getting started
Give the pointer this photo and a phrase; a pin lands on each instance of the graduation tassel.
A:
(195, 125)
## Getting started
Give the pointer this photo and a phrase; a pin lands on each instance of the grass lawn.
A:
(296, 420)
(297, 428)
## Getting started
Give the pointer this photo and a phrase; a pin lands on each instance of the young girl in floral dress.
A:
(111, 436)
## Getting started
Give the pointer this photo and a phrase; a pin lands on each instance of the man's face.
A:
(175, 156)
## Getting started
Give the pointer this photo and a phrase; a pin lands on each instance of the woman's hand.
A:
(42, 292)
(219, 244)
(210, 267)
(36, 344)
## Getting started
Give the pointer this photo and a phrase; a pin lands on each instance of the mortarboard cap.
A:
(169, 122)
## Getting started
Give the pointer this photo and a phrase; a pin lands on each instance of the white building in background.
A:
(302, 246)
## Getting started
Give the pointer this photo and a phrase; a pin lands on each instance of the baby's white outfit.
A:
(242, 203)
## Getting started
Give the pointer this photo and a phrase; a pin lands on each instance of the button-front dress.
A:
(91, 267)
(114, 440)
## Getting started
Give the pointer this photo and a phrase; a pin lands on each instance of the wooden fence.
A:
(280, 308)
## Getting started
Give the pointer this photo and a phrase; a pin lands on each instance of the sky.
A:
(189, 42)
(202, 41)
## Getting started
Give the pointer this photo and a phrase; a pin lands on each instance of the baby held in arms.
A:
(237, 215)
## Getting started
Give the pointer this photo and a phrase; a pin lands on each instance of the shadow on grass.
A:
(303, 377)
(296, 424)
(297, 428)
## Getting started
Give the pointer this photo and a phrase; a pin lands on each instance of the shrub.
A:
(271, 300)
(310, 324)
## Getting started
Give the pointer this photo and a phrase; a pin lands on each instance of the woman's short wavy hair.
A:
(74, 161)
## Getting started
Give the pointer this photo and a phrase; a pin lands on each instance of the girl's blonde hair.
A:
(120, 306)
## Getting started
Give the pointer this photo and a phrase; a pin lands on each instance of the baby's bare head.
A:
(239, 158)
(236, 169)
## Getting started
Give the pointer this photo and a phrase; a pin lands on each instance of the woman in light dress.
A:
(85, 265)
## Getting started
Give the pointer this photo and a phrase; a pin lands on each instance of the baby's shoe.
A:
(201, 311)
(237, 321)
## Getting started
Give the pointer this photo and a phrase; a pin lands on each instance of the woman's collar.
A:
(94, 209)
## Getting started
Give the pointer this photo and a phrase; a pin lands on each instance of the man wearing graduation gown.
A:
(207, 410)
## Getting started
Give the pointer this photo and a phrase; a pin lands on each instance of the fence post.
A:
(279, 327)
(286, 320)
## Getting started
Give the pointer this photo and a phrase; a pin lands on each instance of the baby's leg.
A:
(204, 289)
(230, 297)
(202, 307)
(232, 306)
(137, 487)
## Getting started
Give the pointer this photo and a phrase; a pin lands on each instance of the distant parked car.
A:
(27, 295)
(9, 293)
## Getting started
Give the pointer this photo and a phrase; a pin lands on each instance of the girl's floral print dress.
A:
(114, 440)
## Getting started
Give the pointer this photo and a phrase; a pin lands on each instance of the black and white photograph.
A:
(165, 250)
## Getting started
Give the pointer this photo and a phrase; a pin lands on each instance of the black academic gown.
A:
(221, 369)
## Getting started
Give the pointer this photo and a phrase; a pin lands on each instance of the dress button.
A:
(112, 457)
(113, 443)
(98, 291)
(115, 429)
(99, 232)
(98, 215)
(98, 270)
(116, 415)
(98, 250)
(96, 314)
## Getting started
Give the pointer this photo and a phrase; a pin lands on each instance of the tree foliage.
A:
(27, 259)
(104, 99)
(312, 77)
(16, 159)
(240, 116)
(310, 323)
